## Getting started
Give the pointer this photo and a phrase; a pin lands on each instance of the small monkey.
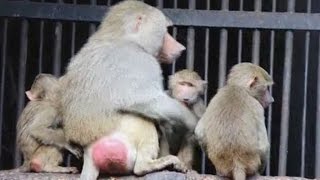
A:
(186, 86)
(38, 118)
(232, 129)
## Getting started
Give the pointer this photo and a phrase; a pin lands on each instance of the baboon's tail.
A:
(238, 172)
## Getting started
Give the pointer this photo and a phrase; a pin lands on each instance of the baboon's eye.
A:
(184, 83)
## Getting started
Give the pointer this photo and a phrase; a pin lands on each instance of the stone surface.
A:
(162, 175)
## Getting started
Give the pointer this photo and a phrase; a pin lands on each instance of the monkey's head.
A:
(186, 86)
(42, 87)
(144, 25)
(255, 79)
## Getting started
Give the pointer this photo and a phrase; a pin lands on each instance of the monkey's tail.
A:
(238, 172)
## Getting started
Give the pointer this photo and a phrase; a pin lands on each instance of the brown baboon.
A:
(187, 87)
(232, 129)
(116, 77)
(37, 118)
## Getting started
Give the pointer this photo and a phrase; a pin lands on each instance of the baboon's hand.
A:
(75, 151)
(177, 164)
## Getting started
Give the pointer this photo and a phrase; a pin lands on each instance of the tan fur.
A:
(232, 130)
(34, 122)
(116, 72)
(173, 140)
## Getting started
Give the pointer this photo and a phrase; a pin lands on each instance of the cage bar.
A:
(223, 48)
(21, 79)
(305, 93)
(3, 74)
(57, 49)
(181, 17)
(92, 26)
(174, 35)
(240, 37)
(271, 60)
(190, 40)
(286, 98)
(256, 36)
(206, 72)
(285, 105)
(304, 110)
(317, 148)
(40, 58)
(160, 3)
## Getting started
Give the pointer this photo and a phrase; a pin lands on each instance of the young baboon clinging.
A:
(232, 129)
(36, 118)
(186, 86)
(116, 74)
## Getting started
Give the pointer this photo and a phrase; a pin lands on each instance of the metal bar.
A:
(190, 40)
(283, 149)
(256, 36)
(223, 48)
(92, 27)
(160, 3)
(181, 17)
(40, 60)
(268, 169)
(317, 148)
(174, 34)
(305, 93)
(271, 60)
(206, 71)
(21, 79)
(240, 37)
(272, 40)
(304, 112)
(57, 47)
(3, 74)
(73, 35)
(57, 50)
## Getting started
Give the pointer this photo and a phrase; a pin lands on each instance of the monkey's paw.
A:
(72, 170)
(178, 165)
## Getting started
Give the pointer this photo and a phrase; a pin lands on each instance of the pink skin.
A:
(36, 165)
(171, 49)
(110, 155)
(267, 99)
(185, 92)
(30, 96)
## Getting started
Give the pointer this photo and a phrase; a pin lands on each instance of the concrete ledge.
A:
(163, 175)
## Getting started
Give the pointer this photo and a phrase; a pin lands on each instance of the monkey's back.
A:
(33, 112)
(231, 130)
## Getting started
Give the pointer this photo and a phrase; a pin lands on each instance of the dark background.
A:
(10, 111)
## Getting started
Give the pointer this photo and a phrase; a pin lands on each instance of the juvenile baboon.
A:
(37, 118)
(115, 75)
(187, 87)
(232, 129)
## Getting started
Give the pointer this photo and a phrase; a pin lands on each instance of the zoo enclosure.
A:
(281, 36)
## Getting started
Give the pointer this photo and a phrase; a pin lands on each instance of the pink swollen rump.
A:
(110, 155)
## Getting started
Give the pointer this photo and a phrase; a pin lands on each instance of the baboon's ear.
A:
(138, 21)
(31, 96)
(252, 82)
